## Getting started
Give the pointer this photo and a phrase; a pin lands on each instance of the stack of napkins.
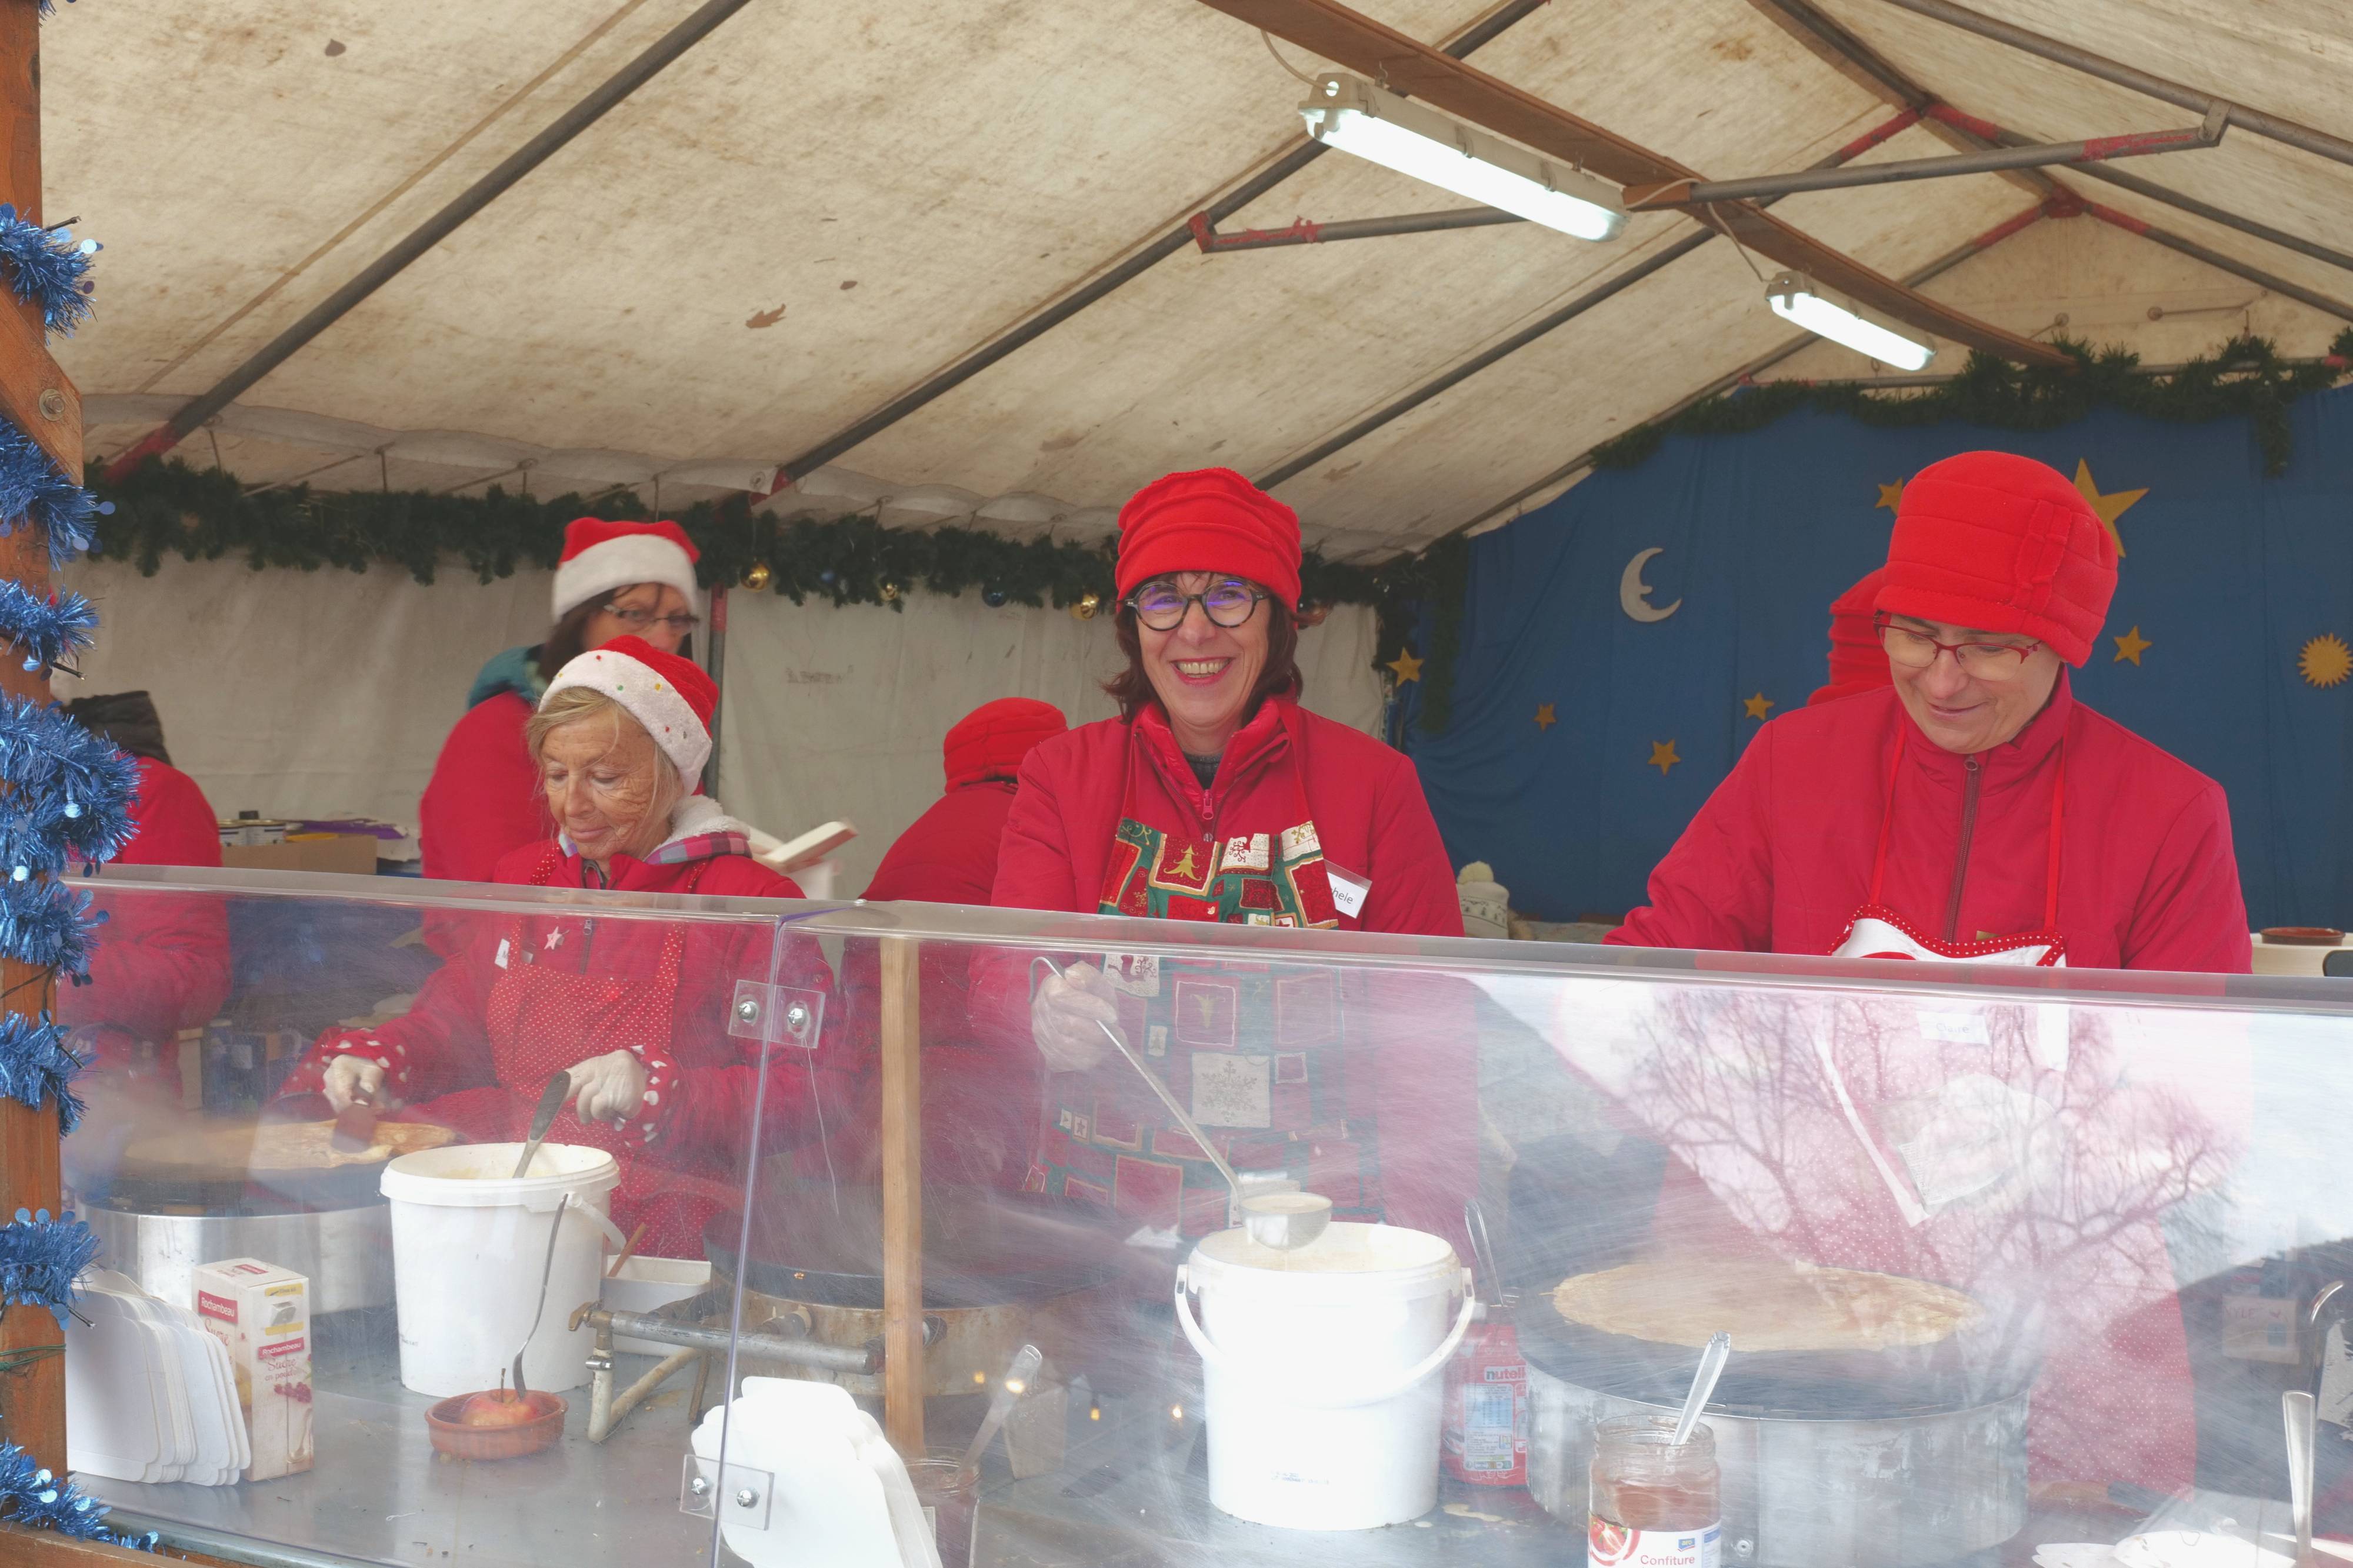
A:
(150, 1395)
(842, 1496)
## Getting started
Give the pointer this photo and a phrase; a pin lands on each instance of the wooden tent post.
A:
(902, 1197)
(35, 395)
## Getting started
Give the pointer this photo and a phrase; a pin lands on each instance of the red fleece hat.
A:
(669, 695)
(1211, 520)
(1857, 661)
(990, 742)
(1998, 542)
(600, 556)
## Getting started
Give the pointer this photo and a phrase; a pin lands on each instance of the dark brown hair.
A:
(1132, 687)
(569, 637)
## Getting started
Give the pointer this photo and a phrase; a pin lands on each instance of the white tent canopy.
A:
(819, 207)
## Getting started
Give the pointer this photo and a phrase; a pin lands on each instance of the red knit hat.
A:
(672, 698)
(601, 556)
(1998, 542)
(1858, 663)
(1211, 520)
(990, 742)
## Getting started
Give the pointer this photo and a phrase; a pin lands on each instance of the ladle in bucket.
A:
(1281, 1220)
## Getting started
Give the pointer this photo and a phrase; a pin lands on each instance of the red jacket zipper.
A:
(1961, 859)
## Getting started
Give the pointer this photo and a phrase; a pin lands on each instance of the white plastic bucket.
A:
(469, 1245)
(1322, 1368)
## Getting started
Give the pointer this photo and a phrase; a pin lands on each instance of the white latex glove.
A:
(349, 1077)
(1063, 1015)
(608, 1087)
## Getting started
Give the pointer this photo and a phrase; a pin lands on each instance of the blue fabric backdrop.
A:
(2227, 574)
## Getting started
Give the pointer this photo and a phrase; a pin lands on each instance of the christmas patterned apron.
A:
(1255, 1052)
(541, 1020)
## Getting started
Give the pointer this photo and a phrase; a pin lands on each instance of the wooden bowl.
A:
(460, 1441)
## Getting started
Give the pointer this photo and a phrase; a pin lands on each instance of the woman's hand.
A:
(608, 1087)
(348, 1078)
(1065, 1013)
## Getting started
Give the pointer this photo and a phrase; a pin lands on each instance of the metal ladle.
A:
(1280, 1220)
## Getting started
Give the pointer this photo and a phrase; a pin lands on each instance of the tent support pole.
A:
(191, 414)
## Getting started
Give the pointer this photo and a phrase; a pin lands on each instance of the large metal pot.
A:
(345, 1253)
(1899, 1491)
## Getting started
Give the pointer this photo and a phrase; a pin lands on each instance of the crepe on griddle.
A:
(284, 1146)
(1764, 1306)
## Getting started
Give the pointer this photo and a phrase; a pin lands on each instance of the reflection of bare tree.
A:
(2002, 1147)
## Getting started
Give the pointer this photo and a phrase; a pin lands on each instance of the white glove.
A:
(1064, 1013)
(608, 1087)
(348, 1078)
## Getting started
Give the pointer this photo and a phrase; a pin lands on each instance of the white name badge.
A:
(1348, 889)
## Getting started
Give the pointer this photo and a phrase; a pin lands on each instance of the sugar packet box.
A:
(262, 1313)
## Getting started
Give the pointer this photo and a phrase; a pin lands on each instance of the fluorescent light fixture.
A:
(1352, 114)
(1797, 298)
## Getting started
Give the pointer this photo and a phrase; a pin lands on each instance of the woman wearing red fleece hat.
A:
(1972, 809)
(614, 579)
(1215, 797)
(635, 1010)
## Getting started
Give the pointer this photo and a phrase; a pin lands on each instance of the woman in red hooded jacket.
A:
(635, 1010)
(1215, 797)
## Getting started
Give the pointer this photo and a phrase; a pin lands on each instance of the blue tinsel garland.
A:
(48, 925)
(32, 488)
(41, 1260)
(64, 780)
(31, 1496)
(49, 268)
(48, 628)
(38, 1066)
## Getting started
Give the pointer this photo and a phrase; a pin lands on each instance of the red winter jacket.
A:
(1779, 857)
(1370, 817)
(702, 1126)
(161, 962)
(483, 800)
(948, 855)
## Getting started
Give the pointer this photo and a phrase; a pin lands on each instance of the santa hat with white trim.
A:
(667, 694)
(600, 557)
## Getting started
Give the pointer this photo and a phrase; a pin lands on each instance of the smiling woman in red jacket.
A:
(1215, 797)
(634, 1009)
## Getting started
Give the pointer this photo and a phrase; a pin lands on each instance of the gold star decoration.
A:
(1890, 496)
(2110, 507)
(1545, 721)
(1406, 666)
(1757, 706)
(1663, 756)
(2325, 661)
(2130, 646)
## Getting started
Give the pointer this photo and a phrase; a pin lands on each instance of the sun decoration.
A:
(2325, 660)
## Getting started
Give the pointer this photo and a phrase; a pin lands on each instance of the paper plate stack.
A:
(150, 1395)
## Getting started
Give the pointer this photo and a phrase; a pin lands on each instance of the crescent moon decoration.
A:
(1634, 594)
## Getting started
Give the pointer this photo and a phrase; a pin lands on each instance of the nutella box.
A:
(262, 1313)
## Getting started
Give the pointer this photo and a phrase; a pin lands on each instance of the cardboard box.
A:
(262, 1312)
(352, 853)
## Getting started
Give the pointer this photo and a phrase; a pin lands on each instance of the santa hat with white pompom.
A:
(602, 557)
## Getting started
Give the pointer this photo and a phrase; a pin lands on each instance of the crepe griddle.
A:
(981, 1249)
(156, 1176)
(1972, 1367)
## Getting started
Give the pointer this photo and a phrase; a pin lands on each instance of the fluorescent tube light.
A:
(1352, 114)
(1797, 298)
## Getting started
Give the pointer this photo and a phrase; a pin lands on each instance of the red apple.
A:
(496, 1407)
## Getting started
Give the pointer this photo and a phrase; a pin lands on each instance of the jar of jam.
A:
(1655, 1504)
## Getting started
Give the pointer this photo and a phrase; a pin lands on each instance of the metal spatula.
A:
(355, 1126)
(542, 1117)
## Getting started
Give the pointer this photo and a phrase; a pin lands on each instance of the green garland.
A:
(2245, 376)
(206, 514)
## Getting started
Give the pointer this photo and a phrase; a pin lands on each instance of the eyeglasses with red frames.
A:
(1983, 658)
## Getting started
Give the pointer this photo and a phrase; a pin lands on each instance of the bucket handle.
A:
(596, 1217)
(1213, 1356)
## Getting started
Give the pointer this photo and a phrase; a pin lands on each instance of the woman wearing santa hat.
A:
(1969, 810)
(634, 1009)
(614, 579)
(1215, 797)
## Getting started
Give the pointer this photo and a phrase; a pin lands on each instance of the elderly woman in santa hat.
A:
(1215, 796)
(634, 1009)
(614, 580)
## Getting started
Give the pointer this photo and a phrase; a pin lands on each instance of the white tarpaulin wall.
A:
(327, 693)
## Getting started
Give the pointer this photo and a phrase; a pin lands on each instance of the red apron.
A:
(1254, 1052)
(540, 1021)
